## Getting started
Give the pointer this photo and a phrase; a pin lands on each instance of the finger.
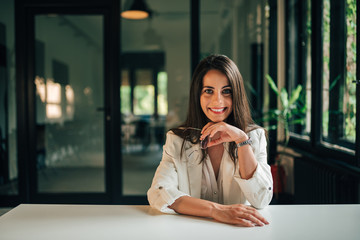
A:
(256, 214)
(214, 129)
(214, 142)
(253, 219)
(206, 126)
(244, 222)
(207, 130)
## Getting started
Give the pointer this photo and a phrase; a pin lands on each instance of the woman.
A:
(216, 162)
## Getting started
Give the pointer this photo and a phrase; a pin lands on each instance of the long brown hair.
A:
(240, 116)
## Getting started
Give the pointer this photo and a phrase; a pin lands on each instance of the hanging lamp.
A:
(136, 10)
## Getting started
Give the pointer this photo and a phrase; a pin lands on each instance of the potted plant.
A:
(291, 110)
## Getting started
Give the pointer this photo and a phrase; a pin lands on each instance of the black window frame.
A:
(314, 144)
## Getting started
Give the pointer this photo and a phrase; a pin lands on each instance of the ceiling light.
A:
(136, 9)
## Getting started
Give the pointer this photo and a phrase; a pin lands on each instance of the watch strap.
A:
(249, 141)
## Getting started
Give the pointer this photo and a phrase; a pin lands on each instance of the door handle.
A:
(106, 110)
(101, 109)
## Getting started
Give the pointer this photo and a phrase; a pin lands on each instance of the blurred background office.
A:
(88, 91)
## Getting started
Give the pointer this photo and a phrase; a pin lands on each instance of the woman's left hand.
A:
(221, 132)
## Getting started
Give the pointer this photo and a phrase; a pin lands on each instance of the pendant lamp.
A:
(136, 10)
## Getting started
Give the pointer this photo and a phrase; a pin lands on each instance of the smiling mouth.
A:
(218, 110)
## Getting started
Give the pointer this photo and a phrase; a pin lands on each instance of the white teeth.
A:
(217, 110)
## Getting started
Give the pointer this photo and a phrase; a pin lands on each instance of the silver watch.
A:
(249, 141)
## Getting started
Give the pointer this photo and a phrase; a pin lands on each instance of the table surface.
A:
(290, 222)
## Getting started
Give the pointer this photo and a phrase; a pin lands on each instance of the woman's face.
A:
(216, 96)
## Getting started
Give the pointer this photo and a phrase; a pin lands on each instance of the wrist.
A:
(242, 139)
(214, 208)
(246, 142)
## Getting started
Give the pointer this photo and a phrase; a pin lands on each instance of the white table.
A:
(290, 222)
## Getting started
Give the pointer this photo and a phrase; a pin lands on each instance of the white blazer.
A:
(180, 175)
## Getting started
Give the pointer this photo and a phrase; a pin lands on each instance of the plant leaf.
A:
(297, 121)
(272, 84)
(332, 85)
(284, 98)
(295, 94)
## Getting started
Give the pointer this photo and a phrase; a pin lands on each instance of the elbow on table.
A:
(261, 201)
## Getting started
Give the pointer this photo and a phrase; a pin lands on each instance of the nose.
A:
(217, 98)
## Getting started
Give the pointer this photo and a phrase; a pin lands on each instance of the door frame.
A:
(25, 12)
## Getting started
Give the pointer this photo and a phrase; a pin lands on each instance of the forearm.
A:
(194, 206)
(247, 162)
(233, 214)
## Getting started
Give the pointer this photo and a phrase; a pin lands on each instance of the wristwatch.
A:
(249, 141)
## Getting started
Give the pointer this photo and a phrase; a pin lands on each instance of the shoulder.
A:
(258, 138)
(173, 138)
(257, 132)
(173, 144)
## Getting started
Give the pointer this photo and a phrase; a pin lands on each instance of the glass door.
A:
(68, 102)
(69, 90)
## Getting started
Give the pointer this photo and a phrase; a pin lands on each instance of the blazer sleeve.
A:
(164, 189)
(258, 190)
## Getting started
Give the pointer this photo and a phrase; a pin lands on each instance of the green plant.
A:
(291, 111)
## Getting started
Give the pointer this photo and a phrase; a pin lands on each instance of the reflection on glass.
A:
(70, 130)
(53, 92)
(53, 111)
(8, 123)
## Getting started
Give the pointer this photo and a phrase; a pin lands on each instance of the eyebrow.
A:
(213, 87)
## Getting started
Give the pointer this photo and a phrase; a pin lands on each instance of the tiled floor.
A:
(138, 170)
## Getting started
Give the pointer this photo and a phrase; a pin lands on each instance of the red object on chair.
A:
(279, 180)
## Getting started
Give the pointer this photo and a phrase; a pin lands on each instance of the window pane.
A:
(144, 93)
(298, 72)
(125, 93)
(339, 72)
(350, 88)
(162, 95)
(8, 129)
(308, 70)
(326, 66)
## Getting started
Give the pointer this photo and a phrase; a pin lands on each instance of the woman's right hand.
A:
(238, 214)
